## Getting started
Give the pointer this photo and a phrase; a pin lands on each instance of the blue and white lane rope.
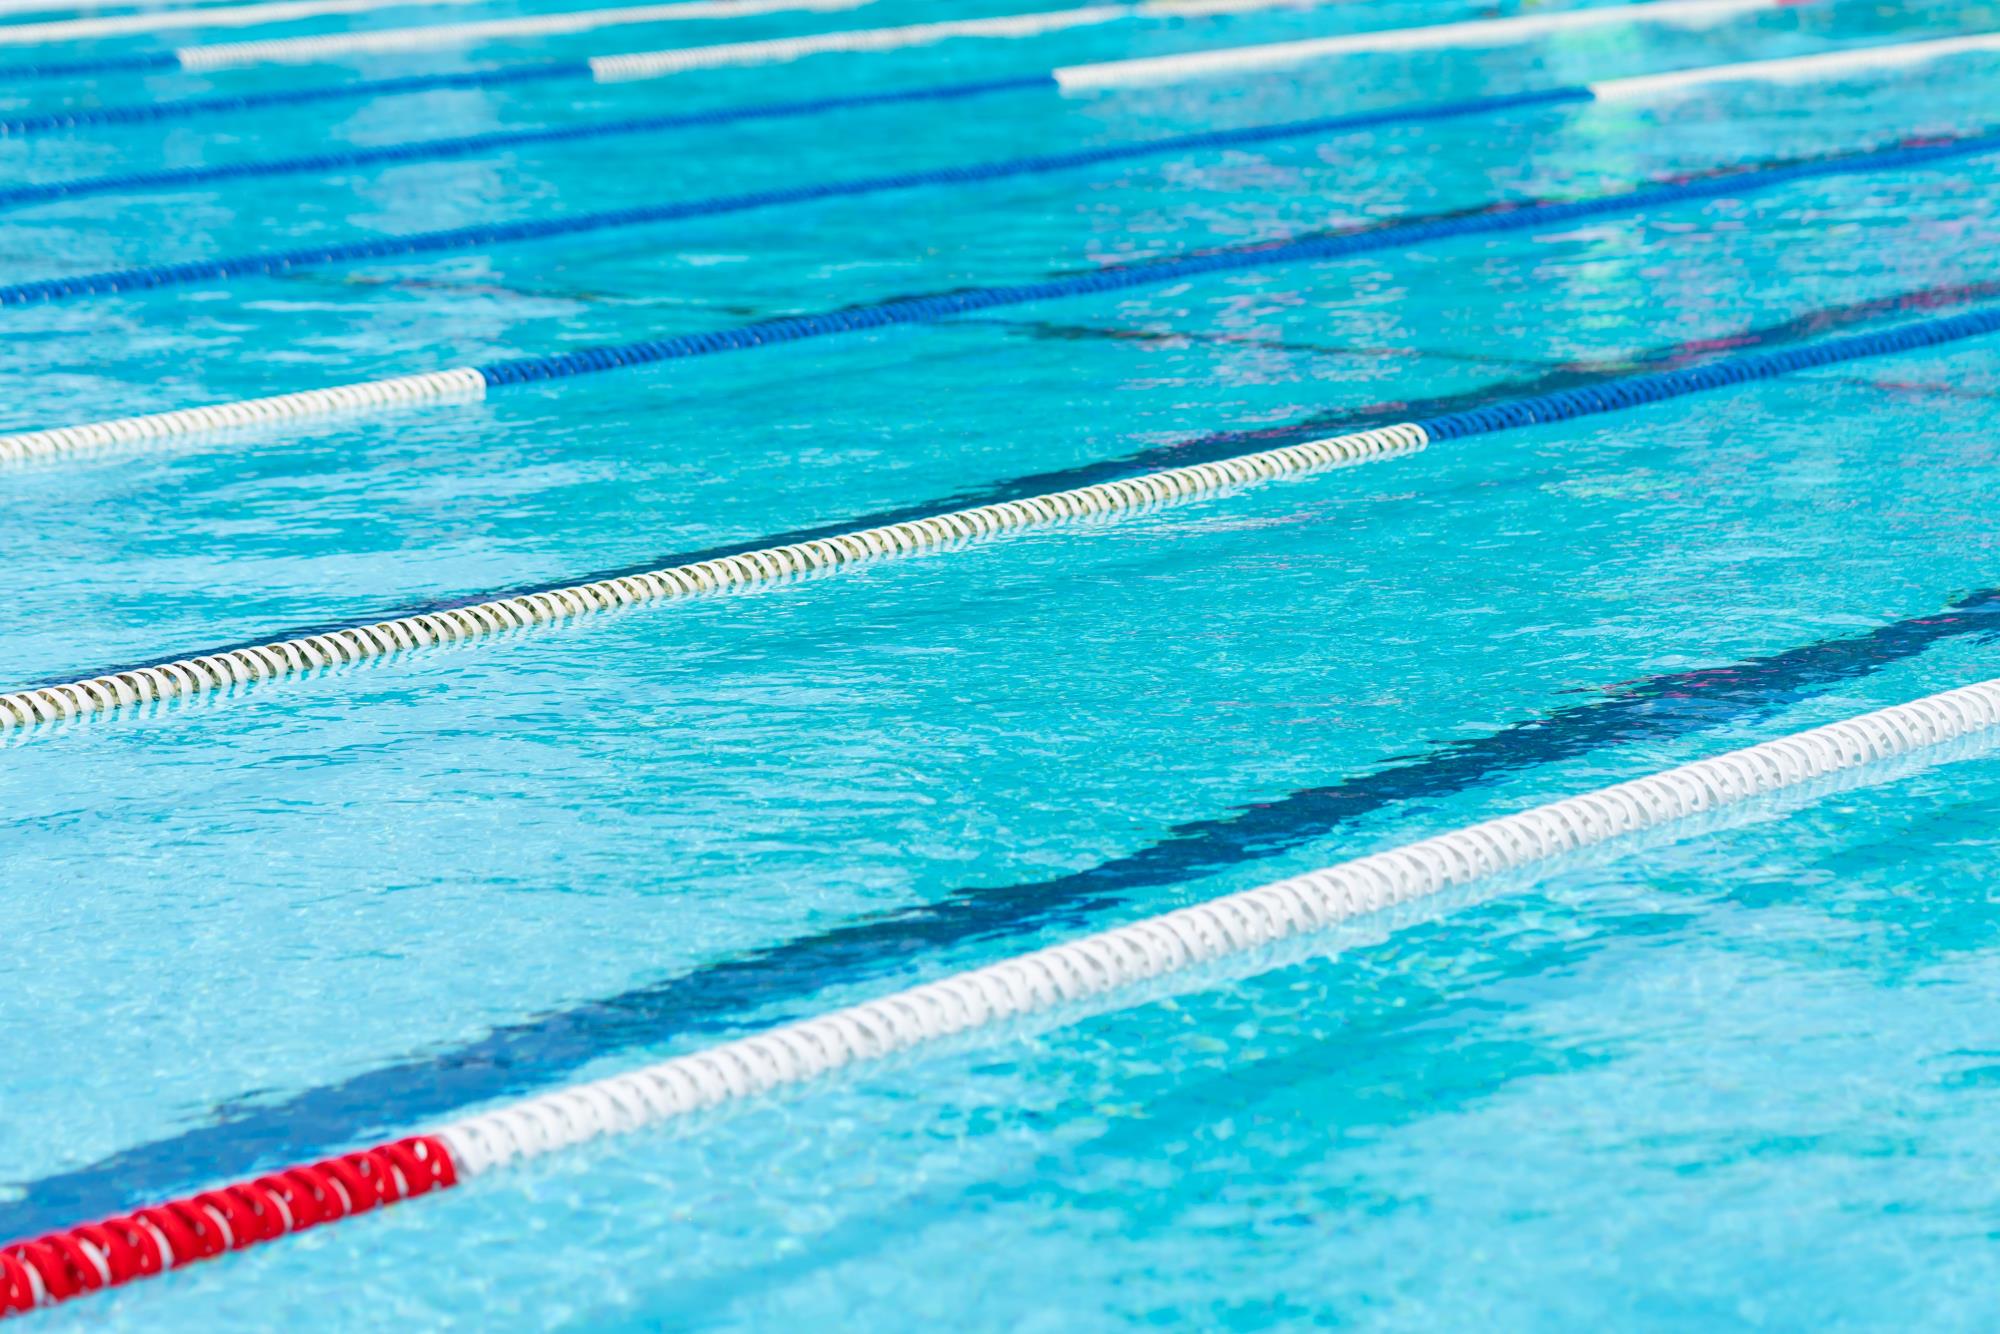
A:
(480, 236)
(656, 64)
(767, 51)
(471, 382)
(1831, 64)
(230, 668)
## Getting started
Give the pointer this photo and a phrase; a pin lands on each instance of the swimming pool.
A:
(1732, 1071)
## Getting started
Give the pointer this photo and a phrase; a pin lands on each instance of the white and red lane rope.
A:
(74, 1261)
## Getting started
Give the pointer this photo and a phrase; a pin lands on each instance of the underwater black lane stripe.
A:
(520, 1057)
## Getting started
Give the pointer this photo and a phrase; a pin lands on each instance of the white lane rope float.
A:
(655, 64)
(1871, 60)
(1056, 984)
(1472, 32)
(767, 51)
(306, 654)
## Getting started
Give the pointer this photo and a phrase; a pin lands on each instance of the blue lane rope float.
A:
(471, 382)
(483, 235)
(1869, 59)
(227, 669)
(430, 150)
(656, 63)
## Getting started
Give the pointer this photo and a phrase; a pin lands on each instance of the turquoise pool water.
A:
(1742, 1075)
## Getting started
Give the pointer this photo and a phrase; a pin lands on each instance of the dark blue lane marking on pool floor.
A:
(526, 1056)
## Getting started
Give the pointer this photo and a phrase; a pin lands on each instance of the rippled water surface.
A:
(1736, 1075)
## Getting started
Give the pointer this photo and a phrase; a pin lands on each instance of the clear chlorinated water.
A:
(1730, 1077)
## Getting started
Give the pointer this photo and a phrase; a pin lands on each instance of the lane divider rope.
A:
(209, 16)
(658, 64)
(329, 46)
(224, 55)
(12, 8)
(77, 1260)
(1677, 82)
(489, 234)
(457, 383)
(293, 657)
(1471, 32)
(655, 64)
(227, 669)
(1871, 60)
(210, 57)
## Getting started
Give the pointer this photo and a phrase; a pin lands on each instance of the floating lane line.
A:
(294, 657)
(329, 46)
(1870, 60)
(178, 20)
(224, 54)
(77, 1260)
(768, 51)
(470, 382)
(655, 64)
(1472, 32)
(1678, 82)
(227, 669)
(294, 50)
(484, 235)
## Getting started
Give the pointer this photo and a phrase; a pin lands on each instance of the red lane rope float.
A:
(92, 1256)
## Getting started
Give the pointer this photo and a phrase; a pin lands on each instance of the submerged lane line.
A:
(654, 64)
(85, 1258)
(470, 382)
(519, 1057)
(1652, 86)
(205, 674)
